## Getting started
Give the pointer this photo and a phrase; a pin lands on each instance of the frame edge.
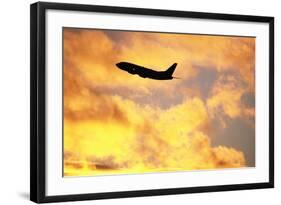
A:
(271, 101)
(33, 103)
(37, 102)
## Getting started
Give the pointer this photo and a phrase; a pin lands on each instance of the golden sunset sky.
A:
(115, 122)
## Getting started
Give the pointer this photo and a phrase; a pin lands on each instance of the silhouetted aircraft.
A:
(146, 72)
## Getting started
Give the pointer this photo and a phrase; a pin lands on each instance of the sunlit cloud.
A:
(120, 123)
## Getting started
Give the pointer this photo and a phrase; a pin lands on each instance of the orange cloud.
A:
(109, 129)
(154, 140)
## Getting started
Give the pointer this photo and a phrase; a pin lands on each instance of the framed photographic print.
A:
(129, 102)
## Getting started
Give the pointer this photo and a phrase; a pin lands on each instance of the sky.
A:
(118, 123)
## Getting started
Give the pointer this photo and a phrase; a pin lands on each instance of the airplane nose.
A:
(119, 65)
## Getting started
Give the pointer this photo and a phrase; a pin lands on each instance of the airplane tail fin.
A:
(171, 69)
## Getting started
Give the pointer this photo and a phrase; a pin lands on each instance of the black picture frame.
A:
(38, 101)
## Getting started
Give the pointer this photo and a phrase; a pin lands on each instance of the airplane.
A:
(146, 72)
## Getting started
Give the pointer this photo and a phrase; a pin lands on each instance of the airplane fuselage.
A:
(144, 72)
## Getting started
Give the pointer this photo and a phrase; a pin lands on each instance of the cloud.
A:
(96, 52)
(226, 95)
(120, 123)
(229, 95)
(155, 139)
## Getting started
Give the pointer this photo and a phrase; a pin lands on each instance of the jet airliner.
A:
(146, 72)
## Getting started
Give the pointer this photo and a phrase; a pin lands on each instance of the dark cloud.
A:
(238, 134)
(248, 99)
(103, 163)
(115, 36)
(73, 164)
(233, 78)
(203, 81)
